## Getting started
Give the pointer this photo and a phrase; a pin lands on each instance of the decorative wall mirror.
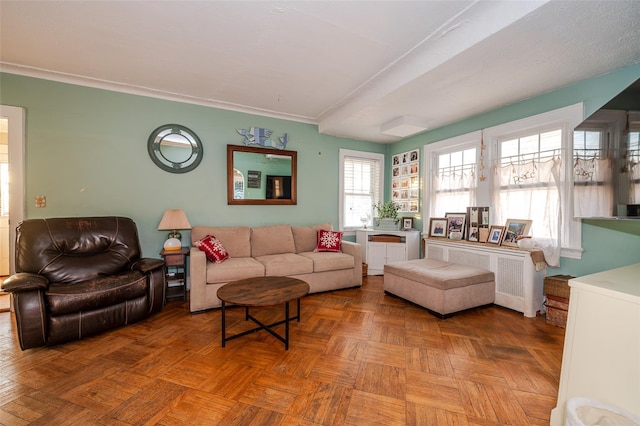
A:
(262, 176)
(174, 148)
(606, 160)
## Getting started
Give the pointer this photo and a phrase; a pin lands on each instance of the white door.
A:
(4, 199)
(11, 182)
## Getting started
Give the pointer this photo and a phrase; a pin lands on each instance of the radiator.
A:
(518, 285)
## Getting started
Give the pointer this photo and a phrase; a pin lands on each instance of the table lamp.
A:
(173, 220)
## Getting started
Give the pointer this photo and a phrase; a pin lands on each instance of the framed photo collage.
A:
(405, 181)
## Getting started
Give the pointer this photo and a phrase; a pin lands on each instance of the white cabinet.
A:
(518, 285)
(601, 358)
(377, 254)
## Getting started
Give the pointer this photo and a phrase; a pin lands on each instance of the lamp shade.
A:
(173, 220)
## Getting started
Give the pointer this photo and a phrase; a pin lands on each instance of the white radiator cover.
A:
(518, 285)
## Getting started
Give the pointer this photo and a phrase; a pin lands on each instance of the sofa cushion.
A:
(236, 239)
(273, 239)
(96, 293)
(329, 261)
(234, 268)
(286, 264)
(306, 237)
(329, 240)
(213, 249)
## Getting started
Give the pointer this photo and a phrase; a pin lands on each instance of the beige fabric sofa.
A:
(274, 250)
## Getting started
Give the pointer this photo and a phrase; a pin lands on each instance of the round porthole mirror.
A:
(174, 148)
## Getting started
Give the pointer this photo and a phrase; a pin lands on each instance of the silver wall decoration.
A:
(262, 137)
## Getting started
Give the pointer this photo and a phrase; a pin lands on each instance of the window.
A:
(527, 185)
(238, 185)
(527, 165)
(361, 181)
(633, 158)
(532, 178)
(592, 172)
(452, 181)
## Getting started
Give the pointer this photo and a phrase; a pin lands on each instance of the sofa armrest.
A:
(198, 279)
(355, 250)
(24, 281)
(29, 307)
(147, 264)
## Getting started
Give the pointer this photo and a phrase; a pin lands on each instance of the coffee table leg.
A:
(286, 326)
(298, 309)
(223, 326)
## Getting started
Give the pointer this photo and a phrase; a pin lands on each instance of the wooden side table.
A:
(175, 273)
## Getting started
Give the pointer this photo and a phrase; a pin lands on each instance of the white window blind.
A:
(362, 180)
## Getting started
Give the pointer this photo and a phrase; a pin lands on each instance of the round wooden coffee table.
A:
(262, 291)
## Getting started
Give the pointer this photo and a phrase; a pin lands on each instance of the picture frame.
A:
(495, 234)
(478, 218)
(483, 235)
(514, 228)
(438, 227)
(473, 234)
(407, 223)
(456, 222)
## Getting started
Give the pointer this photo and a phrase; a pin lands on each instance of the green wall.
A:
(86, 151)
(607, 244)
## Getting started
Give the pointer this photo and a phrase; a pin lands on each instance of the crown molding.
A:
(131, 89)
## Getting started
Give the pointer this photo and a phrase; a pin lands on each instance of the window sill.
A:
(571, 253)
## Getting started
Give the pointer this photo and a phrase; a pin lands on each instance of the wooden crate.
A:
(557, 310)
(557, 285)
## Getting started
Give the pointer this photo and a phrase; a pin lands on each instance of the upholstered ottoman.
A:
(442, 288)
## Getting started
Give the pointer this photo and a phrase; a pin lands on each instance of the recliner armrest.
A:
(147, 264)
(24, 281)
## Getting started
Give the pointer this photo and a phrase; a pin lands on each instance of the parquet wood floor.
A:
(357, 357)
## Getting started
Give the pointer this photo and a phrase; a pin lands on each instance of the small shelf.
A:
(175, 273)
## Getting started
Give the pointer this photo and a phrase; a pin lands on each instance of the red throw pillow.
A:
(329, 240)
(213, 249)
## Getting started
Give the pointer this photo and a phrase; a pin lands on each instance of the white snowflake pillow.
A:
(329, 240)
(213, 249)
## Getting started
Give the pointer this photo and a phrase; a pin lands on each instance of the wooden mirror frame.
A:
(231, 149)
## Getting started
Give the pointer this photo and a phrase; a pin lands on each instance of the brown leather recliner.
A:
(76, 277)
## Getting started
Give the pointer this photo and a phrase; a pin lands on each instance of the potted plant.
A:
(386, 216)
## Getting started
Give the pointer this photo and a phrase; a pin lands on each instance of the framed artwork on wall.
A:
(405, 183)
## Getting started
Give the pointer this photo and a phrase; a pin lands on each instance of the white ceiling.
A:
(347, 66)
